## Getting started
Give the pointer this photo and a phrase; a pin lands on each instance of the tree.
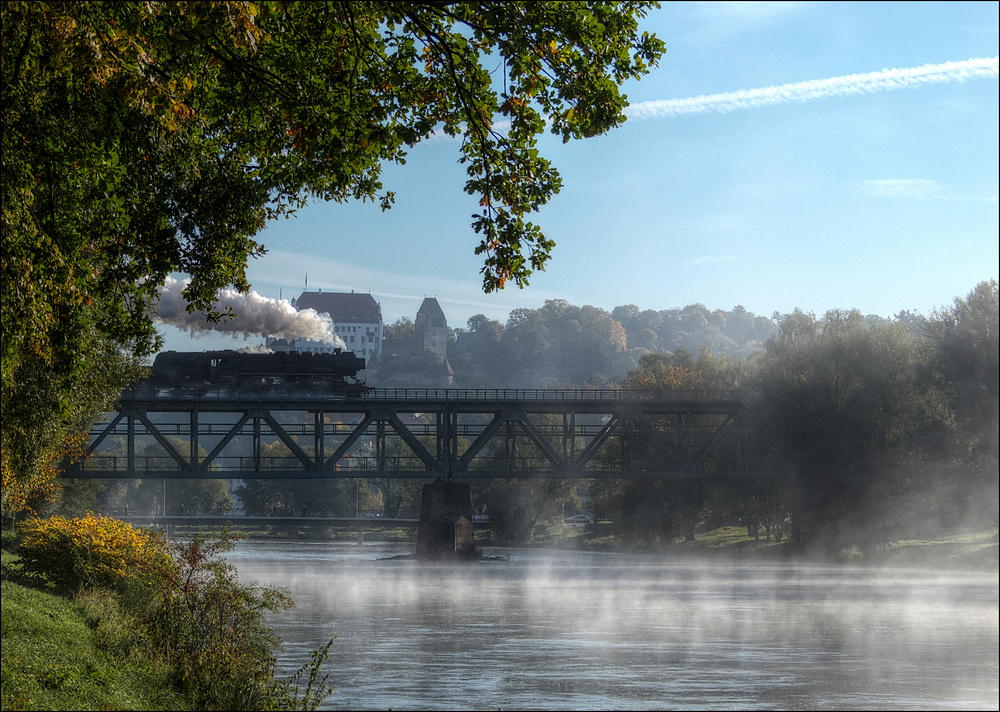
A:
(312, 497)
(655, 511)
(42, 416)
(840, 404)
(603, 338)
(154, 495)
(401, 337)
(659, 509)
(965, 362)
(965, 366)
(663, 371)
(525, 345)
(400, 496)
(516, 506)
(142, 139)
(625, 314)
(478, 322)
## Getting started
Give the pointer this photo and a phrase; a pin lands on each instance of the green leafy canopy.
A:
(144, 138)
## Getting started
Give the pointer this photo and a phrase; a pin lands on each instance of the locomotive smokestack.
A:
(255, 315)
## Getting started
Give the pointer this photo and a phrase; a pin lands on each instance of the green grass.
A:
(730, 541)
(308, 532)
(970, 550)
(959, 550)
(62, 654)
(94, 649)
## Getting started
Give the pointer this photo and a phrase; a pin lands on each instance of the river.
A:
(557, 630)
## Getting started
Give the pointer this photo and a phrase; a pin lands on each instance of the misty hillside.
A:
(564, 344)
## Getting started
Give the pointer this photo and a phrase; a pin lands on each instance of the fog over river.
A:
(593, 631)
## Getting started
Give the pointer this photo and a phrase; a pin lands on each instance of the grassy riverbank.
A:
(971, 550)
(76, 654)
(100, 615)
(977, 550)
(956, 550)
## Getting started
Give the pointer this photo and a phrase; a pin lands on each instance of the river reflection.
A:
(591, 631)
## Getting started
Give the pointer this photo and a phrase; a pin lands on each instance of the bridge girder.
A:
(422, 434)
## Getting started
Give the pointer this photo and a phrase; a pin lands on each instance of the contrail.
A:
(800, 92)
(255, 314)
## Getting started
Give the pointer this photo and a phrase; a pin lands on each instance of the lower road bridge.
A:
(356, 525)
(443, 434)
(242, 520)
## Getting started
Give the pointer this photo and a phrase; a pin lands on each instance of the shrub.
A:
(178, 603)
(93, 552)
(292, 695)
(214, 631)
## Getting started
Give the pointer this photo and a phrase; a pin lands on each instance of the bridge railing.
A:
(239, 465)
(430, 394)
(542, 394)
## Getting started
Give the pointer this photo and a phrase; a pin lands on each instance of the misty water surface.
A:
(572, 630)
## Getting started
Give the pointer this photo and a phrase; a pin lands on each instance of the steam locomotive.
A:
(203, 371)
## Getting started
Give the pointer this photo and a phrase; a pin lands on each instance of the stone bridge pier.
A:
(445, 530)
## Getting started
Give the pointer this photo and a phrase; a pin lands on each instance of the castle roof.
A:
(343, 307)
(432, 312)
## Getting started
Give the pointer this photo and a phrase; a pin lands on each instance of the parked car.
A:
(578, 519)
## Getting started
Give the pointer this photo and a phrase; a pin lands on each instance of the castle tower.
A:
(432, 327)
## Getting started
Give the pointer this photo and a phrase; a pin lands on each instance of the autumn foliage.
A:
(183, 600)
(92, 552)
(26, 492)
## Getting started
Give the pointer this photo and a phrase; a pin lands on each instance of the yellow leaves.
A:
(21, 490)
(65, 26)
(183, 111)
(91, 550)
(179, 109)
(186, 81)
(513, 105)
(15, 492)
(673, 378)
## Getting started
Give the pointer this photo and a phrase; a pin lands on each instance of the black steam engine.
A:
(205, 371)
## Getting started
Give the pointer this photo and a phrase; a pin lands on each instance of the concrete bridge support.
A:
(445, 530)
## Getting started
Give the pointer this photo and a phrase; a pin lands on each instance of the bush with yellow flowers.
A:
(93, 552)
(182, 599)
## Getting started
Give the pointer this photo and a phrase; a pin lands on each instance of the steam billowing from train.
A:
(255, 315)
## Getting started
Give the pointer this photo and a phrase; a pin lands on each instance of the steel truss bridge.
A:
(419, 433)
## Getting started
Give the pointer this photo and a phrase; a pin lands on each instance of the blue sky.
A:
(862, 196)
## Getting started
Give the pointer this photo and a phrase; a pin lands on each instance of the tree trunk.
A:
(687, 525)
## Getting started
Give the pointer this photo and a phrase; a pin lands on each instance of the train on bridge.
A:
(205, 371)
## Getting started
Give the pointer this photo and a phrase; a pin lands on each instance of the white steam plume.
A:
(800, 92)
(255, 314)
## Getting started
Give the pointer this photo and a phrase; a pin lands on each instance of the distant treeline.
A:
(574, 346)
